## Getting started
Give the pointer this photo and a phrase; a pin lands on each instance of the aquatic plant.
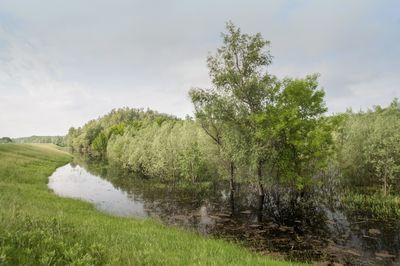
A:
(375, 205)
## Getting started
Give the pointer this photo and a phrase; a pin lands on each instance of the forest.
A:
(252, 127)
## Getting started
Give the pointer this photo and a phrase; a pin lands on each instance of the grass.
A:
(39, 228)
(373, 205)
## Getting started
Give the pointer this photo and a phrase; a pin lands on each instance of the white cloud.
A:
(32, 98)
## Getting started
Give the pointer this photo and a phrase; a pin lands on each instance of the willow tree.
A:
(212, 111)
(368, 147)
(242, 90)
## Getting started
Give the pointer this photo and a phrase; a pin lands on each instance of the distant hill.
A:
(57, 140)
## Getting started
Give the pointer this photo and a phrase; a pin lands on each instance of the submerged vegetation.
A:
(376, 205)
(39, 228)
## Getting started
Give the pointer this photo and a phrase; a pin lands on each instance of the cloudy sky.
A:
(65, 62)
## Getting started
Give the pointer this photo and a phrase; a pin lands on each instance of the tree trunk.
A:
(385, 184)
(261, 193)
(232, 187)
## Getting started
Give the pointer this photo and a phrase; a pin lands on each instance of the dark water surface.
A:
(315, 230)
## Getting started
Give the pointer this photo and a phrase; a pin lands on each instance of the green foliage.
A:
(368, 148)
(171, 150)
(239, 65)
(242, 89)
(93, 137)
(156, 145)
(301, 136)
(271, 126)
(249, 123)
(376, 205)
(99, 144)
(117, 129)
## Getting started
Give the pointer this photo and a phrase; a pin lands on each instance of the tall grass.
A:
(373, 205)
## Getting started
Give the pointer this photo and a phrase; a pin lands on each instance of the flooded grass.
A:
(374, 205)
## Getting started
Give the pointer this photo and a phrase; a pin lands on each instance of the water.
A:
(311, 231)
(76, 182)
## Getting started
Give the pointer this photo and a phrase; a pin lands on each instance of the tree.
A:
(99, 144)
(367, 147)
(212, 111)
(301, 136)
(242, 89)
(280, 122)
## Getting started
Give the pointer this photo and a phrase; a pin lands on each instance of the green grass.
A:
(39, 228)
(373, 205)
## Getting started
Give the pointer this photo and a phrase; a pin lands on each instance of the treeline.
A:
(156, 145)
(250, 126)
(93, 137)
(57, 140)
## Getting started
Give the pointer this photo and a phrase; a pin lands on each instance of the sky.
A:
(63, 63)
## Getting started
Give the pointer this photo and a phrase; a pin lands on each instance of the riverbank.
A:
(39, 228)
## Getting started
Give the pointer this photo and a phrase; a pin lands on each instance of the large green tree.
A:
(280, 122)
(242, 90)
(301, 135)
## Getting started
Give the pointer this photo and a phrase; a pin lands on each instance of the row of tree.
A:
(57, 140)
(156, 145)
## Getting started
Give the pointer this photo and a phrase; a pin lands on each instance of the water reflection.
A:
(76, 182)
(301, 228)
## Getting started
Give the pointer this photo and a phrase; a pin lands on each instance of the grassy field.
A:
(39, 228)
